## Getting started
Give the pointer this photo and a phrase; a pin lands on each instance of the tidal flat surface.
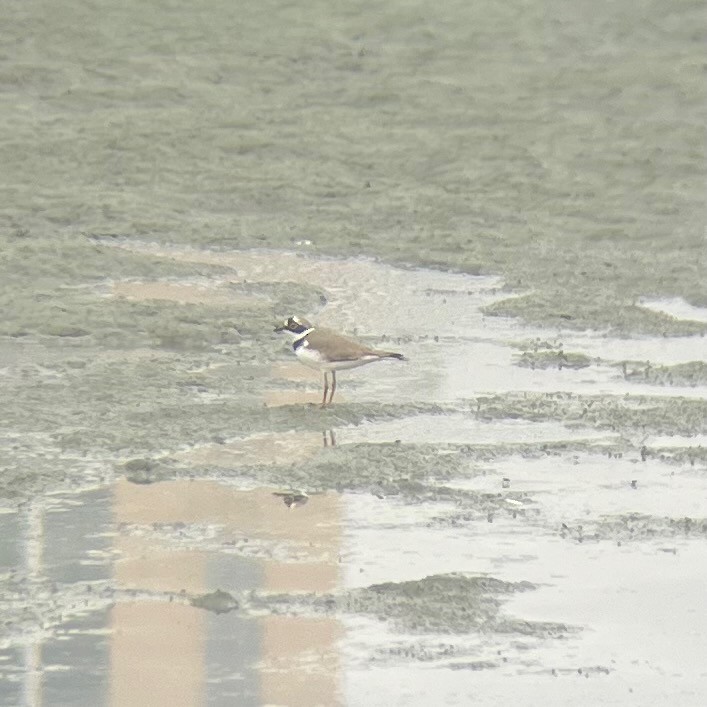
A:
(194, 518)
(510, 194)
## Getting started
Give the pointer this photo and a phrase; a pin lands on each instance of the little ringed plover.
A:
(328, 351)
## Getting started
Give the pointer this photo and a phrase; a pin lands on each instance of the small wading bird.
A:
(330, 352)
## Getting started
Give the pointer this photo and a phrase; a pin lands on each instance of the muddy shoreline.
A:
(512, 195)
(426, 519)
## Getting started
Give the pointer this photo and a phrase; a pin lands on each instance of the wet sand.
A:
(517, 525)
(512, 195)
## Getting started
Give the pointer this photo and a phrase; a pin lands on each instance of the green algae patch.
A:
(386, 469)
(626, 415)
(635, 527)
(483, 175)
(693, 373)
(390, 467)
(217, 602)
(71, 298)
(452, 604)
(588, 310)
(677, 455)
(449, 603)
(142, 409)
(552, 358)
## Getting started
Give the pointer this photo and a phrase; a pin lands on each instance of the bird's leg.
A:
(326, 388)
(333, 386)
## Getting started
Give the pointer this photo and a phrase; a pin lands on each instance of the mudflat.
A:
(512, 195)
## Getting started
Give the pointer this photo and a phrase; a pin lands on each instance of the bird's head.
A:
(294, 325)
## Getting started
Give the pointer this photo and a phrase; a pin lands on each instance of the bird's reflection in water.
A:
(295, 498)
(328, 438)
(292, 499)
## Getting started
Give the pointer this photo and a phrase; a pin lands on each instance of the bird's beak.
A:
(279, 327)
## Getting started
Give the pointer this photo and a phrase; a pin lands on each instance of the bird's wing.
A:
(337, 347)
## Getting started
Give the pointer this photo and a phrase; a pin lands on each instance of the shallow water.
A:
(677, 307)
(106, 583)
(418, 309)
(111, 571)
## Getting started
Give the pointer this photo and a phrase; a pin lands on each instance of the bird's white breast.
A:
(309, 356)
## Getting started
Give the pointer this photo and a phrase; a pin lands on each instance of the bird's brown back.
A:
(336, 347)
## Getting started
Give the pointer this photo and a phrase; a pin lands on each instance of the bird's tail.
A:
(391, 354)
